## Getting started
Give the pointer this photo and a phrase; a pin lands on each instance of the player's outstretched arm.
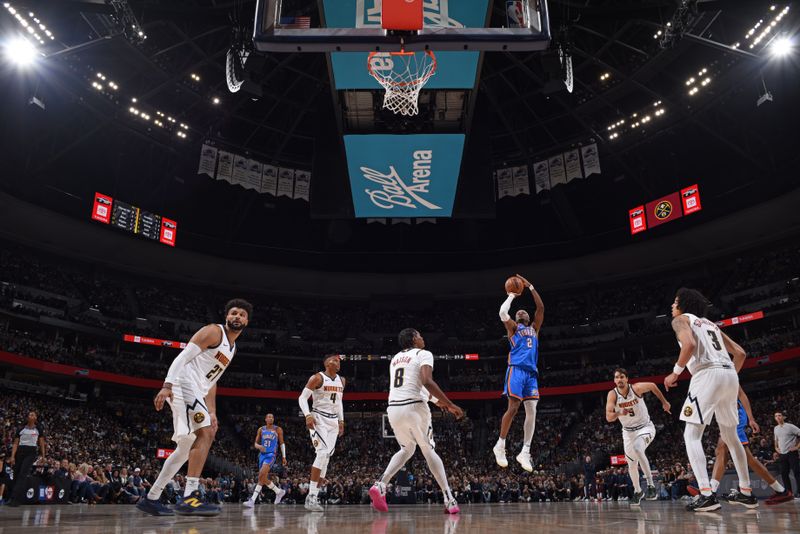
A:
(644, 387)
(208, 336)
(611, 407)
(510, 324)
(683, 332)
(735, 350)
(313, 383)
(426, 375)
(538, 315)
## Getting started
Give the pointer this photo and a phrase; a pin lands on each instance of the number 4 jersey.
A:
(405, 379)
(710, 349)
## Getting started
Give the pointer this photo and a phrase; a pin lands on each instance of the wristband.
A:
(678, 369)
(166, 385)
(530, 287)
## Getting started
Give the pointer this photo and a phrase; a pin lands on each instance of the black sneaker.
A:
(153, 507)
(194, 505)
(704, 503)
(636, 500)
(737, 497)
(651, 494)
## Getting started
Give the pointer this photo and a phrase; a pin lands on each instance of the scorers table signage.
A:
(134, 220)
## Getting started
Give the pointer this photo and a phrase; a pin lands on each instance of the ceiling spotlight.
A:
(20, 51)
(215, 100)
(781, 47)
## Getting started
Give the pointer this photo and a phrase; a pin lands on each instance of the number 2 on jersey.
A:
(214, 372)
(398, 377)
(530, 342)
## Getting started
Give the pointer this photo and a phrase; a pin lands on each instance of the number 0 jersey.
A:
(405, 379)
(328, 397)
(709, 346)
(203, 371)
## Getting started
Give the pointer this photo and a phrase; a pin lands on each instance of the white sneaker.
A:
(249, 503)
(313, 505)
(279, 495)
(500, 456)
(524, 459)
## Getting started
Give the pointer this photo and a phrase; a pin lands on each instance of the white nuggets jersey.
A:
(405, 379)
(636, 404)
(328, 397)
(710, 348)
(203, 371)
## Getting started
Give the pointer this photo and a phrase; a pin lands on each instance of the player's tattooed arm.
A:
(683, 333)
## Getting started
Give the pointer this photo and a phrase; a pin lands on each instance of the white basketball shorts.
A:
(324, 434)
(411, 424)
(647, 432)
(189, 411)
(712, 391)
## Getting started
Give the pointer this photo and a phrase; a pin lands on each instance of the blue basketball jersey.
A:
(524, 351)
(269, 439)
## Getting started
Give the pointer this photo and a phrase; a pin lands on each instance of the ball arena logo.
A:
(395, 191)
(663, 210)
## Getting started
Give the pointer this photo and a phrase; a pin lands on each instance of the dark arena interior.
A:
(217, 211)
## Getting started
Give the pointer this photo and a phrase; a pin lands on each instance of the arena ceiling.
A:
(69, 140)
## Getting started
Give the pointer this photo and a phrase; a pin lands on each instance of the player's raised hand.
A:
(666, 406)
(163, 395)
(455, 410)
(670, 381)
(524, 280)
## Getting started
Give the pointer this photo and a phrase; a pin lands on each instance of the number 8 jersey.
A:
(405, 379)
(710, 349)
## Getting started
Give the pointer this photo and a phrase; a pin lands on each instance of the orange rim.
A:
(418, 81)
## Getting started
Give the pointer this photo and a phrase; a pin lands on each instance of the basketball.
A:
(514, 285)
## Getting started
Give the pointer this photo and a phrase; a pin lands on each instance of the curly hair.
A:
(241, 304)
(692, 301)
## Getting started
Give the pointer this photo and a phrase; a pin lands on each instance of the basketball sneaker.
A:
(153, 507)
(777, 498)
(279, 495)
(737, 497)
(194, 505)
(452, 507)
(377, 494)
(704, 503)
(524, 459)
(500, 456)
(249, 503)
(651, 494)
(312, 504)
(637, 498)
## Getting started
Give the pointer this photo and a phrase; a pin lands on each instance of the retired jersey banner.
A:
(572, 160)
(404, 175)
(591, 160)
(208, 160)
(557, 174)
(225, 167)
(541, 173)
(663, 210)
(691, 199)
(637, 219)
(505, 182)
(521, 184)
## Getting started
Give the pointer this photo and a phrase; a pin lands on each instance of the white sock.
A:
(501, 443)
(256, 491)
(714, 485)
(313, 489)
(271, 485)
(777, 486)
(192, 483)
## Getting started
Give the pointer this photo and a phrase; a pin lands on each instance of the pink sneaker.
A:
(377, 494)
(452, 507)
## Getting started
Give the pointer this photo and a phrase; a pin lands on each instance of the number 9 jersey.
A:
(405, 379)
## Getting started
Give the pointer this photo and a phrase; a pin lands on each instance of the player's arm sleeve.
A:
(505, 306)
(188, 354)
(340, 409)
(303, 401)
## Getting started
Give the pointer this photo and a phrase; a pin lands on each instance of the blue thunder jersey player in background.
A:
(521, 384)
(267, 440)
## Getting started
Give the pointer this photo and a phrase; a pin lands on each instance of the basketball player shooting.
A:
(625, 403)
(267, 440)
(713, 390)
(411, 388)
(190, 389)
(325, 422)
(521, 383)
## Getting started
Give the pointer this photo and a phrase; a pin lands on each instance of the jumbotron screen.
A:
(134, 220)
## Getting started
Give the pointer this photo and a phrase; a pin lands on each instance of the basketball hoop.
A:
(403, 75)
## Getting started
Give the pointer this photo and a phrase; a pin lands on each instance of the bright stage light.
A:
(20, 51)
(781, 47)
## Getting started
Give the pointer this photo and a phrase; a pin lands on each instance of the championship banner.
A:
(269, 180)
(302, 184)
(253, 176)
(663, 210)
(591, 159)
(285, 182)
(521, 183)
(541, 173)
(404, 175)
(637, 219)
(225, 168)
(101, 211)
(239, 170)
(572, 160)
(557, 174)
(208, 160)
(691, 199)
(746, 318)
(505, 182)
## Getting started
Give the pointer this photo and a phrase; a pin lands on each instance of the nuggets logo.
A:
(663, 210)
(199, 417)
(316, 443)
(688, 411)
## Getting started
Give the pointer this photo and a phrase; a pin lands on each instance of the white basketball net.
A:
(403, 75)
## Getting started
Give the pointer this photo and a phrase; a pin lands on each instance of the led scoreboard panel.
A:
(134, 220)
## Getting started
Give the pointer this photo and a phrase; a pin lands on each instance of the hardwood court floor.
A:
(557, 518)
